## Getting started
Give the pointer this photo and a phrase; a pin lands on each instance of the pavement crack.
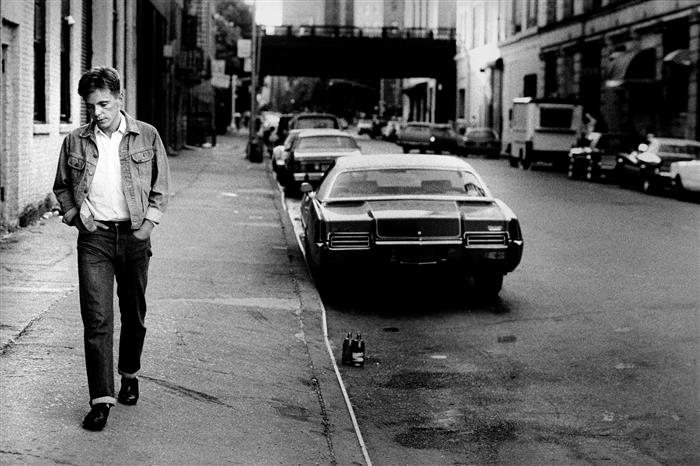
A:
(199, 396)
(25, 454)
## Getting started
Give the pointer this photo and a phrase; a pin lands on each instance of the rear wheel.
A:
(678, 189)
(647, 183)
(406, 149)
(488, 284)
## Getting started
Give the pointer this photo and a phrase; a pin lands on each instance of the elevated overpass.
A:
(355, 53)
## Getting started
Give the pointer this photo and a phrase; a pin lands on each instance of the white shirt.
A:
(106, 197)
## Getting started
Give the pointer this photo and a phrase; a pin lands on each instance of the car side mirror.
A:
(643, 147)
(306, 188)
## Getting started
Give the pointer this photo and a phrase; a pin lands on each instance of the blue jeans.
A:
(104, 255)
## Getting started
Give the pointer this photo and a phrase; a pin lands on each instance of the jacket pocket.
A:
(142, 156)
(77, 169)
(76, 163)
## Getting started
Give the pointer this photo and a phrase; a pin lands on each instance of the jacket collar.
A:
(131, 126)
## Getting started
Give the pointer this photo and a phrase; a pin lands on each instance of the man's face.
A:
(104, 107)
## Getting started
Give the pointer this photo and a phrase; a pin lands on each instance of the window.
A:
(65, 61)
(531, 13)
(551, 11)
(530, 85)
(461, 102)
(567, 8)
(40, 60)
(551, 84)
(591, 5)
(552, 117)
(86, 51)
(517, 20)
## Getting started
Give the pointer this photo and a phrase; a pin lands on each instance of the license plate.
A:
(495, 255)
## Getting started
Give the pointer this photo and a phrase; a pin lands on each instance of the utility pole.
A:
(254, 149)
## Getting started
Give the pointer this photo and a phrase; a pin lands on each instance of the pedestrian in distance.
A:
(112, 183)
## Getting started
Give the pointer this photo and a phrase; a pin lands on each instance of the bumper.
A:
(453, 257)
(300, 177)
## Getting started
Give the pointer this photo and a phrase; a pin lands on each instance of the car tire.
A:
(406, 149)
(488, 284)
(571, 171)
(590, 175)
(678, 189)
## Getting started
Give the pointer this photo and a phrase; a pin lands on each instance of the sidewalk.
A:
(235, 369)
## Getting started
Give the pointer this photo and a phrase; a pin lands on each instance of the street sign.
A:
(220, 80)
(218, 66)
(244, 47)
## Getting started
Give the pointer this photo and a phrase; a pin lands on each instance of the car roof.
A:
(310, 132)
(677, 141)
(370, 161)
(314, 115)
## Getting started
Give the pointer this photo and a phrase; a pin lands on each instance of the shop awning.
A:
(620, 69)
(679, 57)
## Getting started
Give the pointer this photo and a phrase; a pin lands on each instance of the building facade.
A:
(48, 44)
(632, 64)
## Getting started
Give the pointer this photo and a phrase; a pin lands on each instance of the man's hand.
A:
(101, 225)
(144, 232)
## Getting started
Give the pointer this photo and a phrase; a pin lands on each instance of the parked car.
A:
(685, 177)
(389, 210)
(364, 126)
(649, 167)
(431, 137)
(596, 155)
(281, 132)
(391, 130)
(314, 120)
(281, 152)
(311, 152)
(482, 141)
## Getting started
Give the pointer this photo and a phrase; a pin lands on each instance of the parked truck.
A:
(542, 130)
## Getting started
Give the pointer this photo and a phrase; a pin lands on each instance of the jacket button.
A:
(85, 191)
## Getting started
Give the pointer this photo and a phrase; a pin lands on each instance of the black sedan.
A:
(596, 157)
(482, 141)
(430, 137)
(427, 211)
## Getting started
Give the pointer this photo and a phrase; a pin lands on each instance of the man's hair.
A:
(100, 77)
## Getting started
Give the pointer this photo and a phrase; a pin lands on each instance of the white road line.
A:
(348, 404)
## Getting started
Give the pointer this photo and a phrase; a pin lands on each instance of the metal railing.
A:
(352, 31)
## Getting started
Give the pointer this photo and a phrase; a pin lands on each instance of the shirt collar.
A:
(120, 129)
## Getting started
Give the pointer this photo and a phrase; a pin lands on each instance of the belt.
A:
(116, 224)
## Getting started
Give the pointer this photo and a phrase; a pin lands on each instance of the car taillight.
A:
(514, 232)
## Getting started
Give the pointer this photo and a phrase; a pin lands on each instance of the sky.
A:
(269, 12)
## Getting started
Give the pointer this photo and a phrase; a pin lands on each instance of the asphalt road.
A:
(590, 355)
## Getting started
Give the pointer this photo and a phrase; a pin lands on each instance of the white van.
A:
(542, 131)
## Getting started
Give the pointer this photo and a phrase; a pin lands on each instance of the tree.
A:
(233, 21)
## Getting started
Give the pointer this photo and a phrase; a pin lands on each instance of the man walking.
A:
(112, 183)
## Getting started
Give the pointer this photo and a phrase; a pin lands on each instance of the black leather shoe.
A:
(97, 417)
(129, 393)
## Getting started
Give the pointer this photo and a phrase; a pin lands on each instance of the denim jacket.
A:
(145, 172)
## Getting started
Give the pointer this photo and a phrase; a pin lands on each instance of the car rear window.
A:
(400, 182)
(326, 142)
(481, 134)
(315, 122)
(680, 149)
